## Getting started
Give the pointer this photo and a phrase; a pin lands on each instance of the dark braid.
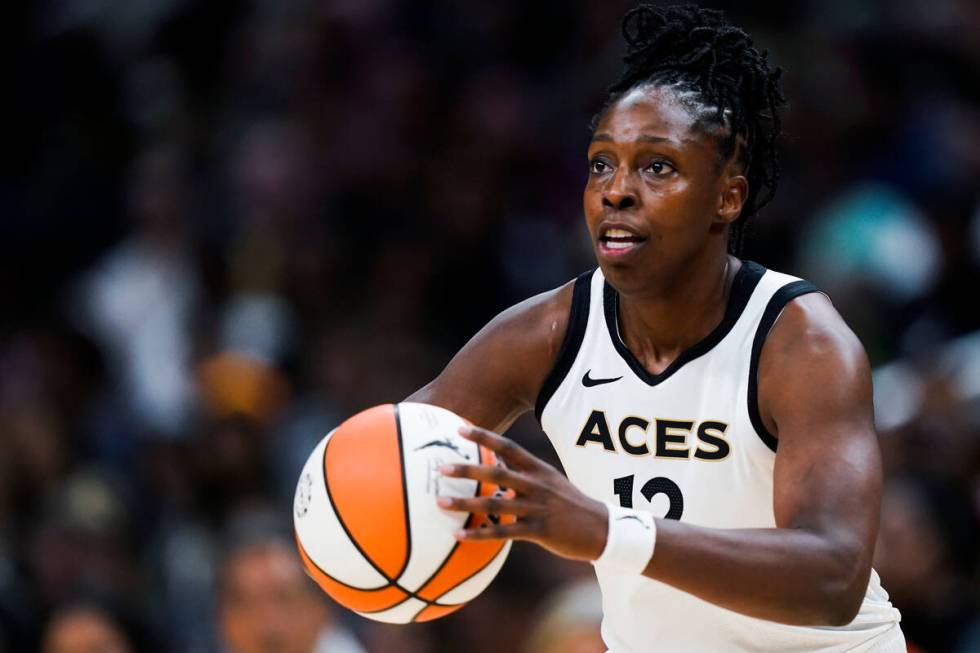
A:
(709, 62)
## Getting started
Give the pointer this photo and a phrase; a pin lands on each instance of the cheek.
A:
(592, 206)
(679, 207)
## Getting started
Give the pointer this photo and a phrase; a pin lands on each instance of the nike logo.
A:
(588, 381)
(447, 443)
(642, 523)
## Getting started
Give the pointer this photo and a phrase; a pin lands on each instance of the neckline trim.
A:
(745, 282)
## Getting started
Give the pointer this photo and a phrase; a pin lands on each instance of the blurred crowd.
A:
(228, 225)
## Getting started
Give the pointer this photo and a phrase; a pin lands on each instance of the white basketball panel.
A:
(402, 613)
(320, 532)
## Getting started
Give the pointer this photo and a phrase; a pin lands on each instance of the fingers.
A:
(512, 453)
(516, 531)
(489, 505)
(497, 475)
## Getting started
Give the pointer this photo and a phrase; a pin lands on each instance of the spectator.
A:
(84, 629)
(266, 604)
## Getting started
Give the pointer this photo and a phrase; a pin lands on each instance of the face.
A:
(84, 630)
(267, 605)
(658, 199)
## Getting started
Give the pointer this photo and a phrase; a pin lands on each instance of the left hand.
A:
(550, 511)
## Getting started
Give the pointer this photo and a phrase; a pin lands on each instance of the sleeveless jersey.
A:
(688, 444)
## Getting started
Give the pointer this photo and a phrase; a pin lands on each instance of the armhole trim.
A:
(774, 308)
(578, 319)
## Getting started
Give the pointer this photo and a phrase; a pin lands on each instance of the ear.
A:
(734, 191)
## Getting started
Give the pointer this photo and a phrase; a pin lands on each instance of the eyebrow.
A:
(642, 138)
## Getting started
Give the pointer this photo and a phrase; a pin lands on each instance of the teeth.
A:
(619, 233)
(613, 244)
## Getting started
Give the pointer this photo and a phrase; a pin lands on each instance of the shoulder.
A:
(813, 363)
(810, 327)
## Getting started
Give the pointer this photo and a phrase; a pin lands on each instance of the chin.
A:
(626, 277)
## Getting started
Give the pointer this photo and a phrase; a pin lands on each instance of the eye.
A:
(598, 166)
(660, 168)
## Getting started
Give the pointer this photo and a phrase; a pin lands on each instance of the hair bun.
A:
(647, 23)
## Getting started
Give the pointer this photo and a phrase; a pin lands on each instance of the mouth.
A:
(617, 241)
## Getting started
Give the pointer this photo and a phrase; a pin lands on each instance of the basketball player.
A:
(714, 417)
(729, 400)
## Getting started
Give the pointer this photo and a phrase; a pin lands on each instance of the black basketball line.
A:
(337, 580)
(487, 564)
(416, 615)
(340, 518)
(406, 515)
(449, 555)
(353, 540)
(391, 582)
(479, 450)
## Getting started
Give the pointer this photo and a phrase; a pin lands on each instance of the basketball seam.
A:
(357, 545)
(484, 566)
(487, 564)
(405, 513)
(337, 580)
(448, 557)
(340, 517)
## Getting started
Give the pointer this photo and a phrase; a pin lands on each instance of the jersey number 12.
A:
(623, 488)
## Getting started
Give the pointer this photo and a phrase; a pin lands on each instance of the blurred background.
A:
(226, 226)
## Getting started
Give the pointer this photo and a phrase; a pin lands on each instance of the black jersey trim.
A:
(775, 306)
(578, 319)
(745, 282)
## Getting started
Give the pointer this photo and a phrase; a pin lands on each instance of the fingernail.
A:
(465, 430)
(460, 535)
(444, 502)
(447, 469)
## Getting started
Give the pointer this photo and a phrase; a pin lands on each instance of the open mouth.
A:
(616, 240)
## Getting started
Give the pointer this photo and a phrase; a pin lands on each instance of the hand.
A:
(550, 511)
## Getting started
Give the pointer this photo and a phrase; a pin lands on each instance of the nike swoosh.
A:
(588, 381)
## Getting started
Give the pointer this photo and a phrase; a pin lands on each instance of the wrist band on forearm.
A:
(630, 540)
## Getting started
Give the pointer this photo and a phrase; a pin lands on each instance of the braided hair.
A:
(720, 77)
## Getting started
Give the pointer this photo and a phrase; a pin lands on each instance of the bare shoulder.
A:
(810, 326)
(812, 362)
(497, 375)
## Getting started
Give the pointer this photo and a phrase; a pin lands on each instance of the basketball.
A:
(368, 529)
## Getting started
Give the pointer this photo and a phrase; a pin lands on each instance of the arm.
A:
(815, 389)
(497, 375)
(815, 395)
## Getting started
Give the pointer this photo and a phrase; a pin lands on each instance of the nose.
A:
(620, 194)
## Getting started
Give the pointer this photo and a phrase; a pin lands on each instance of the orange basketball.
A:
(367, 525)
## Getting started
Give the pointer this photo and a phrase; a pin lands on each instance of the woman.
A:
(714, 417)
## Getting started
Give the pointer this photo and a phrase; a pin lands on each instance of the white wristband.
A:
(630, 541)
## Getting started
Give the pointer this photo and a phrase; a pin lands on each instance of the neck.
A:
(661, 324)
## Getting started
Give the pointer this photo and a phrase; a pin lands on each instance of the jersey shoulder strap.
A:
(790, 290)
(578, 319)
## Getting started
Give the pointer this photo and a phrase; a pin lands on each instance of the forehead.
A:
(650, 111)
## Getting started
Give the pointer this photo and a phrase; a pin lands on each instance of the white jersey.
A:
(687, 444)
